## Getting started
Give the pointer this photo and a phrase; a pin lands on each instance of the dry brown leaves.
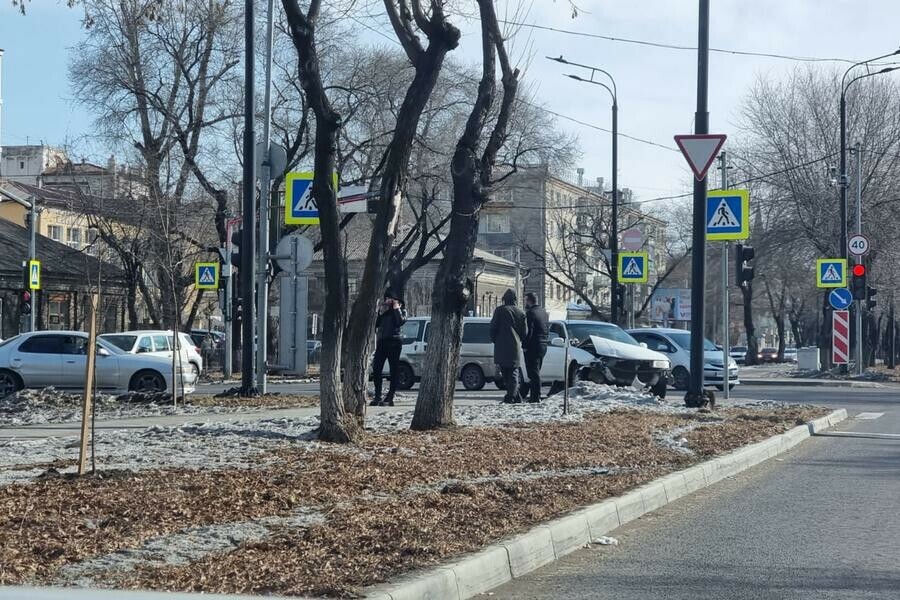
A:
(265, 401)
(389, 508)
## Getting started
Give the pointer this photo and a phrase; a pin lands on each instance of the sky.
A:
(656, 86)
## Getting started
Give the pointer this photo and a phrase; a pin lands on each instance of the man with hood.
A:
(388, 345)
(508, 329)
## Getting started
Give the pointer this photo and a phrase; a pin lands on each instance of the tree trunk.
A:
(752, 357)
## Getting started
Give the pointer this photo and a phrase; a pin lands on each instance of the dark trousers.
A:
(386, 350)
(511, 383)
(534, 360)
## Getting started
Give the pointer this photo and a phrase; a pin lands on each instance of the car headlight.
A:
(660, 364)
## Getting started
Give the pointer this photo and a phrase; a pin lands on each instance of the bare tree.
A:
(472, 171)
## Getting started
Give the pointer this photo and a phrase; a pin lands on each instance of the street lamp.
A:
(614, 235)
(843, 176)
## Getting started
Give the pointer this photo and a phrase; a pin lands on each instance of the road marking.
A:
(859, 434)
(868, 416)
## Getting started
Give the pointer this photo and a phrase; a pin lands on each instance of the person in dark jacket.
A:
(388, 343)
(508, 330)
(535, 345)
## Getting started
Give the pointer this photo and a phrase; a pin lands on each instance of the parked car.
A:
(200, 335)
(768, 355)
(676, 344)
(59, 359)
(790, 354)
(158, 343)
(739, 354)
(476, 360)
(619, 359)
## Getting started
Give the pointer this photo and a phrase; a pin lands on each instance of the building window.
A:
(22, 164)
(92, 243)
(494, 223)
(54, 232)
(73, 237)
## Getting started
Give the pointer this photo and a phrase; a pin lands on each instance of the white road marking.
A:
(868, 416)
(860, 434)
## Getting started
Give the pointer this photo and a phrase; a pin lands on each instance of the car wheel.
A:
(405, 377)
(472, 378)
(682, 378)
(195, 370)
(660, 388)
(10, 383)
(147, 382)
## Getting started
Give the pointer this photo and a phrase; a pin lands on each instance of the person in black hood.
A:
(535, 345)
(388, 343)
(507, 332)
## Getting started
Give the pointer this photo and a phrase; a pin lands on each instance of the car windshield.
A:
(739, 348)
(123, 342)
(684, 341)
(582, 331)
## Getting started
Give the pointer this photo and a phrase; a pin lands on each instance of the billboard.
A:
(670, 304)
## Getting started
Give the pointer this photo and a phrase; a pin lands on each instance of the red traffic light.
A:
(26, 296)
(859, 270)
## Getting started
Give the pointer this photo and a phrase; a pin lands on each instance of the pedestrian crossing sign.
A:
(206, 276)
(728, 215)
(299, 206)
(632, 267)
(34, 275)
(831, 272)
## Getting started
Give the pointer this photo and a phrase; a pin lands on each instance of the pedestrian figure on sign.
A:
(508, 330)
(388, 344)
(538, 324)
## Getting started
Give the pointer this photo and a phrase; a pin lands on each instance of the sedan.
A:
(768, 355)
(59, 359)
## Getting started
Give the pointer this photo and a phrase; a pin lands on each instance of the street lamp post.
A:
(614, 229)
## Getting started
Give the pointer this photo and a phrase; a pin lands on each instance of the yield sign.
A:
(700, 150)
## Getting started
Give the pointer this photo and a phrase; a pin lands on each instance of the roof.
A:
(60, 264)
(82, 168)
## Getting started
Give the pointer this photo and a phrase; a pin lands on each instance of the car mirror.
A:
(101, 351)
(558, 342)
(643, 344)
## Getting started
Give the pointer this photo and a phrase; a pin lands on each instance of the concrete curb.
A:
(499, 563)
(813, 383)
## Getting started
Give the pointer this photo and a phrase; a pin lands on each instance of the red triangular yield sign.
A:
(700, 150)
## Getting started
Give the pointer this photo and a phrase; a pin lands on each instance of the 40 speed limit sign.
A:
(858, 245)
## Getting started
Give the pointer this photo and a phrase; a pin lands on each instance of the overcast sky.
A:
(656, 86)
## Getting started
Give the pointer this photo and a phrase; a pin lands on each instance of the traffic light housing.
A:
(858, 282)
(25, 303)
(743, 271)
(870, 302)
(620, 296)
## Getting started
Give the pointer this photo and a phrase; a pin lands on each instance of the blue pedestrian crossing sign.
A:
(840, 298)
(34, 275)
(831, 272)
(299, 206)
(632, 267)
(206, 276)
(728, 215)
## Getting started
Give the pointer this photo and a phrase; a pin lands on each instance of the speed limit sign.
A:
(859, 245)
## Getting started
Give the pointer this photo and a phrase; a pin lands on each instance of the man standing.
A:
(535, 346)
(388, 344)
(508, 329)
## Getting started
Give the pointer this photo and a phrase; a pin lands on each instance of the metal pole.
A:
(695, 395)
(566, 376)
(262, 287)
(859, 303)
(228, 273)
(892, 359)
(248, 240)
(614, 227)
(32, 255)
(723, 165)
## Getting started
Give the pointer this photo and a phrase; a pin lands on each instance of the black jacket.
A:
(388, 325)
(538, 328)
(507, 332)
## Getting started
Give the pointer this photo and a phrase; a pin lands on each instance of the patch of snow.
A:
(606, 541)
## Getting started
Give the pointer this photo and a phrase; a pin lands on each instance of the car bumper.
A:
(624, 372)
(716, 377)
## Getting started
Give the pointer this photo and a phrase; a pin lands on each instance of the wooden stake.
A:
(86, 406)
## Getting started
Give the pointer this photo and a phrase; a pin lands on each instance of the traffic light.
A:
(236, 239)
(620, 295)
(858, 284)
(743, 271)
(25, 303)
(870, 302)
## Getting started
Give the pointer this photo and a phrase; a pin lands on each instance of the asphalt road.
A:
(818, 522)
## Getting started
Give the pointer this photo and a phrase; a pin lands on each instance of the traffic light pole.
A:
(859, 303)
(695, 396)
(32, 255)
(248, 241)
(723, 166)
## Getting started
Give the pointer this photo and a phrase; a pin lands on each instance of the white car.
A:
(676, 344)
(59, 359)
(158, 343)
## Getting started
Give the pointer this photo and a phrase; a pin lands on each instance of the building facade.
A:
(25, 164)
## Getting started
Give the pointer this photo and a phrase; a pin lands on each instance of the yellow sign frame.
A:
(831, 284)
(289, 179)
(744, 233)
(620, 262)
(206, 286)
(34, 283)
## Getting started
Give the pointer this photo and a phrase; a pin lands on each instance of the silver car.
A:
(59, 359)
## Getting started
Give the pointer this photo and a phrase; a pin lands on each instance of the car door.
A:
(38, 360)
(415, 341)
(477, 346)
(74, 361)
(552, 367)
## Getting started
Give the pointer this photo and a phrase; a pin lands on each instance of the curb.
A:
(812, 383)
(499, 563)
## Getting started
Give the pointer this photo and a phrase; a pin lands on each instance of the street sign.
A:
(858, 245)
(291, 260)
(700, 150)
(299, 206)
(728, 215)
(277, 158)
(840, 298)
(354, 199)
(632, 239)
(206, 276)
(840, 337)
(831, 272)
(633, 267)
(34, 275)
